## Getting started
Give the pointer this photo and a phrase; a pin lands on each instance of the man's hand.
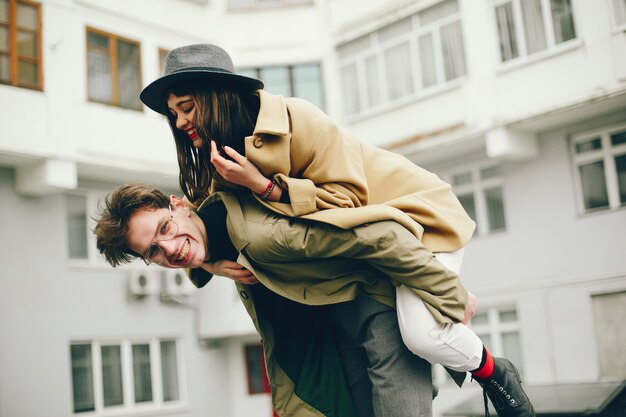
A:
(237, 170)
(470, 308)
(232, 270)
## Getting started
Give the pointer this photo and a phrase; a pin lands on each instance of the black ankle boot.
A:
(505, 391)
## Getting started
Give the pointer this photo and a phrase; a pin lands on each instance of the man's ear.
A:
(179, 204)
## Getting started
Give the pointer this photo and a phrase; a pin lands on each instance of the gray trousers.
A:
(386, 379)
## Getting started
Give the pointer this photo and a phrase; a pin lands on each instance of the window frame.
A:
(377, 48)
(618, 26)
(520, 31)
(126, 359)
(607, 155)
(14, 57)
(113, 67)
(478, 187)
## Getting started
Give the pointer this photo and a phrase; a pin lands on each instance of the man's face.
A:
(185, 247)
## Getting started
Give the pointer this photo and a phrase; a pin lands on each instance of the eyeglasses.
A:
(168, 230)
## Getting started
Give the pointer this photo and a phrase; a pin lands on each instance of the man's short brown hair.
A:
(112, 224)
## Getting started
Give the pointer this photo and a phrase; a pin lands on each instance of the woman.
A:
(231, 133)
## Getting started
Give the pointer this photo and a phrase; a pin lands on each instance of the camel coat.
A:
(323, 168)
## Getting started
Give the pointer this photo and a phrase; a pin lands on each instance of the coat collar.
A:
(235, 220)
(273, 118)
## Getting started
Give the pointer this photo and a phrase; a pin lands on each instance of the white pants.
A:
(454, 346)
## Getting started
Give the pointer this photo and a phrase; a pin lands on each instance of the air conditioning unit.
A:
(176, 284)
(143, 282)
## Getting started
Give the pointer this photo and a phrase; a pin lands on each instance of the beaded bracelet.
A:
(268, 190)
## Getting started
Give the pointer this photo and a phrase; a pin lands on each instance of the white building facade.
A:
(519, 104)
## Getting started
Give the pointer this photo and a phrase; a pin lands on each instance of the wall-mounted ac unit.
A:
(143, 282)
(176, 284)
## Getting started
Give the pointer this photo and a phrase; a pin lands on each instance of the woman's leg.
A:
(454, 346)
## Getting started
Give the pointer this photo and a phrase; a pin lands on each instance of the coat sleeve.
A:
(326, 167)
(390, 248)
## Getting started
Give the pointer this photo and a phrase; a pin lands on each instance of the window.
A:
(77, 233)
(600, 167)
(162, 55)
(120, 375)
(479, 190)
(526, 27)
(253, 4)
(302, 80)
(20, 44)
(404, 59)
(258, 382)
(113, 70)
(619, 11)
(499, 330)
(609, 311)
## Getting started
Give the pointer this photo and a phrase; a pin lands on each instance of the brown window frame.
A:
(13, 53)
(113, 66)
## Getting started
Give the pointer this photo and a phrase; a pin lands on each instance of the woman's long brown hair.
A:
(223, 115)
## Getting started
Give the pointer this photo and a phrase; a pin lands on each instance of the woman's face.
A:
(183, 109)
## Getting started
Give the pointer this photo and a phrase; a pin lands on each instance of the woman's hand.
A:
(470, 308)
(232, 270)
(239, 170)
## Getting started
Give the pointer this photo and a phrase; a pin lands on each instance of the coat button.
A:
(243, 294)
(257, 142)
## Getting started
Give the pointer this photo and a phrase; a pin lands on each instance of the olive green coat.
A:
(314, 264)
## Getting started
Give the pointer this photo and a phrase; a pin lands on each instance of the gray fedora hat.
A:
(195, 62)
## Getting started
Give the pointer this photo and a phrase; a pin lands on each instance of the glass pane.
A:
(453, 51)
(506, 32)
(619, 8)
(82, 378)
(588, 145)
(28, 73)
(511, 349)
(4, 39)
(100, 83)
(276, 80)
(239, 3)
(398, 71)
(480, 319)
(162, 55)
(169, 369)
(618, 138)
(620, 167)
(427, 60)
(373, 81)
(508, 316)
(594, 185)
(112, 376)
(563, 20)
(490, 172)
(438, 12)
(129, 83)
(350, 87)
(307, 83)
(402, 27)
(462, 179)
(354, 47)
(5, 68)
(27, 44)
(534, 27)
(254, 358)
(142, 373)
(4, 10)
(76, 211)
(495, 208)
(248, 72)
(26, 16)
(467, 201)
(96, 40)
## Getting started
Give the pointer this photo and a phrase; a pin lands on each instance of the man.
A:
(301, 264)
